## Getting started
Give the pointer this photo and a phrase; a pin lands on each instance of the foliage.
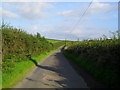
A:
(20, 70)
(101, 55)
(116, 34)
(17, 44)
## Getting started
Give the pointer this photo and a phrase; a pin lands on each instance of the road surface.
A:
(53, 72)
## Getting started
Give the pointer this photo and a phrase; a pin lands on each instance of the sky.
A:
(62, 20)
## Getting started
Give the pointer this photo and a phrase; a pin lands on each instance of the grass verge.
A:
(101, 75)
(20, 70)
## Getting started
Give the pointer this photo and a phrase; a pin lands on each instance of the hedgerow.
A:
(17, 44)
(100, 57)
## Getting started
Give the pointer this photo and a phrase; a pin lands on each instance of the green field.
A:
(53, 41)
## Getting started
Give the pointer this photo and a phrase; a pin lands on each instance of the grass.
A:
(53, 41)
(20, 70)
(18, 46)
(100, 57)
(100, 74)
(0, 80)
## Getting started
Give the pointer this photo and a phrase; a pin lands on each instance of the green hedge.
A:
(100, 57)
(17, 44)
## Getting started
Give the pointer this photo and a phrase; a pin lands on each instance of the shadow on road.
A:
(61, 69)
(47, 68)
(35, 62)
(30, 58)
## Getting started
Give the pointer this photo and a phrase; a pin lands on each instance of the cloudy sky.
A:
(60, 20)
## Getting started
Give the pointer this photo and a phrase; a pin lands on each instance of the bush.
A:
(16, 44)
(102, 56)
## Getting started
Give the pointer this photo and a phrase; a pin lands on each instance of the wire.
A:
(81, 17)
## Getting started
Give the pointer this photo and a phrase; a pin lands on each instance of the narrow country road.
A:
(53, 72)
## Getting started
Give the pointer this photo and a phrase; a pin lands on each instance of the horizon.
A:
(62, 20)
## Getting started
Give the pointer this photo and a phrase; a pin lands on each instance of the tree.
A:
(38, 35)
(118, 34)
(104, 37)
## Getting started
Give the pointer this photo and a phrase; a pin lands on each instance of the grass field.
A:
(53, 41)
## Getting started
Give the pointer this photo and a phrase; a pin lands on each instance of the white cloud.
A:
(34, 28)
(81, 31)
(89, 32)
(96, 8)
(100, 8)
(66, 13)
(28, 11)
(7, 14)
(34, 10)
(31, 0)
(58, 0)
